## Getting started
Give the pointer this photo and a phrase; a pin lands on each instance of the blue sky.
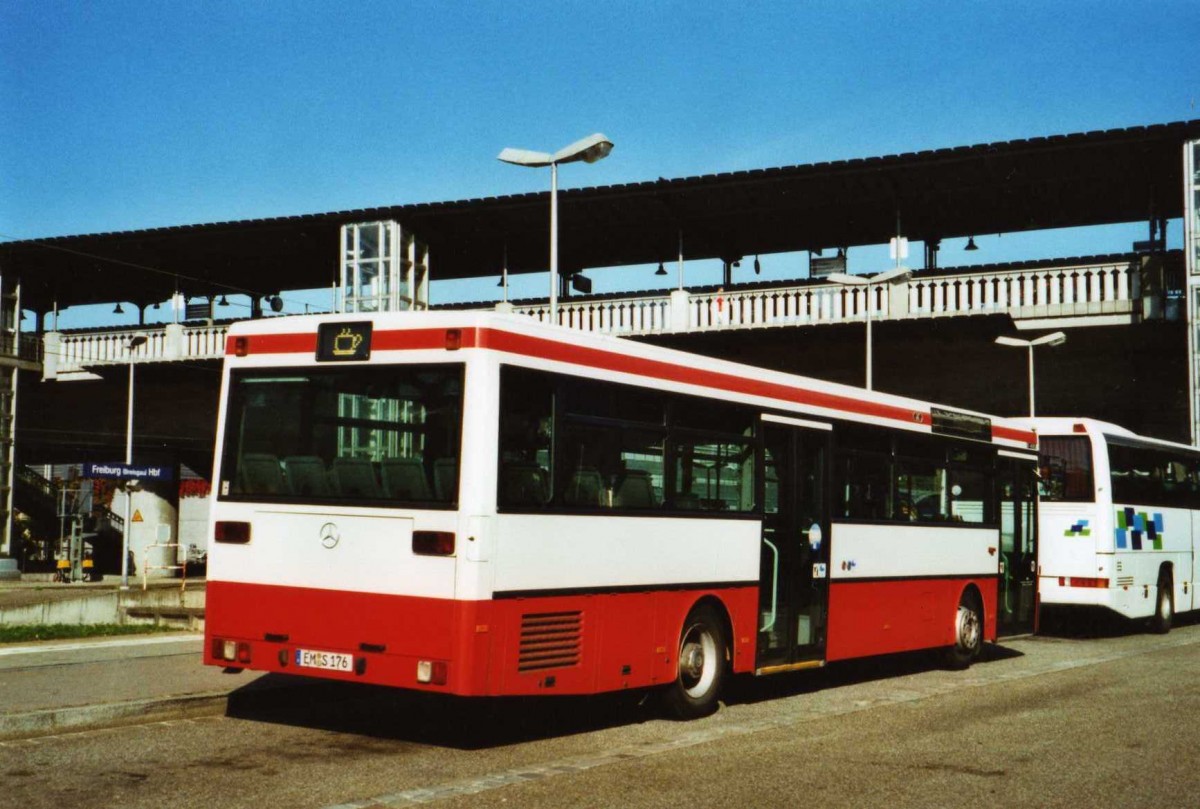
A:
(125, 115)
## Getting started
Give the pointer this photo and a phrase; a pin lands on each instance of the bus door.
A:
(1017, 608)
(794, 573)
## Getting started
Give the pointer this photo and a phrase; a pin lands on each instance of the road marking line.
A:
(788, 716)
(99, 644)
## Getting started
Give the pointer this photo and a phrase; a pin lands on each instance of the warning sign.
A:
(137, 515)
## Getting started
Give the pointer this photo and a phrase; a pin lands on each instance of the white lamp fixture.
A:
(1053, 339)
(589, 150)
(894, 275)
(132, 342)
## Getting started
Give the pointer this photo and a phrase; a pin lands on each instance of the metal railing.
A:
(1053, 291)
(1067, 290)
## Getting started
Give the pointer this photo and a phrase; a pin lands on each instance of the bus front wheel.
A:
(702, 666)
(1164, 608)
(968, 633)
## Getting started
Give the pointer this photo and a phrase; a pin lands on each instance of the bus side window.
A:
(864, 486)
(526, 436)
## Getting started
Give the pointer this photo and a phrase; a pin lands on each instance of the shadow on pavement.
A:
(472, 723)
(468, 723)
(1082, 623)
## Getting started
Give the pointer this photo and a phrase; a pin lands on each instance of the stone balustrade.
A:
(1025, 293)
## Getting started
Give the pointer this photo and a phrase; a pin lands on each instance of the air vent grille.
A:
(549, 640)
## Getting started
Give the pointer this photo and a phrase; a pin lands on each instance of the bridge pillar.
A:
(51, 351)
(1191, 251)
(173, 341)
(677, 319)
(897, 304)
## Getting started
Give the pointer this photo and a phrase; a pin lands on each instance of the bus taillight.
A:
(230, 651)
(453, 339)
(431, 671)
(232, 531)
(433, 543)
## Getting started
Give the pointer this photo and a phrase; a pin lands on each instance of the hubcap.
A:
(697, 661)
(968, 628)
(692, 662)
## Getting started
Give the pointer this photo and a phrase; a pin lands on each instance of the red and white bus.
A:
(479, 504)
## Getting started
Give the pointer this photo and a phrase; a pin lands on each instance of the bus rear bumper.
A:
(402, 641)
(1130, 601)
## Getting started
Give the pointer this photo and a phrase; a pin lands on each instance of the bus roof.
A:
(522, 336)
(1061, 425)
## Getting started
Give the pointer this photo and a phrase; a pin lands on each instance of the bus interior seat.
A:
(445, 478)
(306, 475)
(354, 477)
(585, 488)
(633, 489)
(523, 484)
(260, 473)
(404, 479)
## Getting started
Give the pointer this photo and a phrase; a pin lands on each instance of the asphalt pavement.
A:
(1104, 719)
(52, 686)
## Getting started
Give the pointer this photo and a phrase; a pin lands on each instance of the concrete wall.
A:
(193, 522)
(152, 521)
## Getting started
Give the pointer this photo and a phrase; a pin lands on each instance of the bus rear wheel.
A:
(1164, 608)
(968, 633)
(703, 655)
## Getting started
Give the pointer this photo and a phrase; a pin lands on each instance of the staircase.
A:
(50, 511)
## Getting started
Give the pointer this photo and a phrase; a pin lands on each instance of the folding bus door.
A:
(1017, 607)
(794, 573)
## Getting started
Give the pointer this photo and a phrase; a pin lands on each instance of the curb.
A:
(134, 712)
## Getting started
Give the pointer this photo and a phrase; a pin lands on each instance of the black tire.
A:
(968, 634)
(702, 666)
(1164, 606)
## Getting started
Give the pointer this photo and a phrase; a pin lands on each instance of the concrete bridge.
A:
(1099, 291)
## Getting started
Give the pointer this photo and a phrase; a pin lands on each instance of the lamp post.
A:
(131, 345)
(589, 150)
(1054, 339)
(870, 281)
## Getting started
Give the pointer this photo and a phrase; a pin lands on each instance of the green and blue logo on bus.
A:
(1078, 529)
(1138, 530)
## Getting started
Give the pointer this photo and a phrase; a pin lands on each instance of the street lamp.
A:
(589, 150)
(131, 344)
(894, 275)
(1055, 339)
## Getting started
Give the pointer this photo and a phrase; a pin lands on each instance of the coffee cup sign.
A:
(346, 343)
(343, 341)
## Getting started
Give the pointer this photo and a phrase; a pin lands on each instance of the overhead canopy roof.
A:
(1091, 178)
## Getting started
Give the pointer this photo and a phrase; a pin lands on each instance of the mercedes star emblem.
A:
(329, 535)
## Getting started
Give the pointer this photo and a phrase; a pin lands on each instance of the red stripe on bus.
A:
(394, 340)
(274, 343)
(1012, 434)
(657, 369)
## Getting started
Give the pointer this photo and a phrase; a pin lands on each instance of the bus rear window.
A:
(367, 434)
(1065, 465)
